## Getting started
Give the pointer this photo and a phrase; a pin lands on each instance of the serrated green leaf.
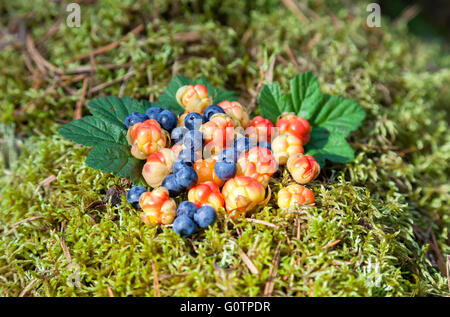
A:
(332, 118)
(115, 109)
(116, 159)
(273, 102)
(169, 94)
(336, 114)
(93, 131)
(106, 131)
(305, 92)
(329, 146)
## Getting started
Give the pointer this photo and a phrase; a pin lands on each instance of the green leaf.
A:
(106, 131)
(116, 159)
(305, 91)
(336, 114)
(114, 110)
(273, 102)
(93, 131)
(332, 118)
(169, 94)
(329, 146)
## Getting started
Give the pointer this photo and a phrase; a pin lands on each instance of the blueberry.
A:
(178, 134)
(172, 185)
(187, 177)
(134, 118)
(168, 120)
(186, 208)
(193, 140)
(188, 155)
(133, 195)
(241, 144)
(210, 111)
(184, 226)
(265, 144)
(225, 170)
(193, 121)
(180, 164)
(205, 216)
(153, 112)
(229, 155)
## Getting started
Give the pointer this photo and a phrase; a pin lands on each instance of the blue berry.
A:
(210, 111)
(193, 121)
(241, 144)
(153, 112)
(178, 134)
(205, 216)
(133, 195)
(134, 118)
(172, 185)
(229, 155)
(188, 155)
(184, 226)
(186, 208)
(180, 164)
(225, 170)
(265, 144)
(168, 120)
(187, 177)
(193, 140)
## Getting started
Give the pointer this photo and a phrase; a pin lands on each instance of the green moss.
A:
(382, 207)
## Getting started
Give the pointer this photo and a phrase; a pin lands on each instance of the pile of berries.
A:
(221, 158)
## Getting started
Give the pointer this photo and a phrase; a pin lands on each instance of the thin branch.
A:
(155, 280)
(65, 250)
(293, 7)
(79, 106)
(331, 244)
(151, 97)
(268, 289)
(408, 14)
(437, 251)
(251, 266)
(26, 289)
(40, 61)
(292, 58)
(110, 292)
(262, 222)
(108, 47)
(97, 88)
(16, 224)
(48, 180)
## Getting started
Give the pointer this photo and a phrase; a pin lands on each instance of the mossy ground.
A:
(381, 224)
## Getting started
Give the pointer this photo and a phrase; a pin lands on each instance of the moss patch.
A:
(375, 219)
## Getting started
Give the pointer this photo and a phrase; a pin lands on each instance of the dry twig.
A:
(262, 222)
(48, 180)
(155, 281)
(108, 47)
(293, 7)
(30, 285)
(110, 292)
(331, 244)
(251, 266)
(97, 88)
(273, 272)
(79, 106)
(16, 224)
